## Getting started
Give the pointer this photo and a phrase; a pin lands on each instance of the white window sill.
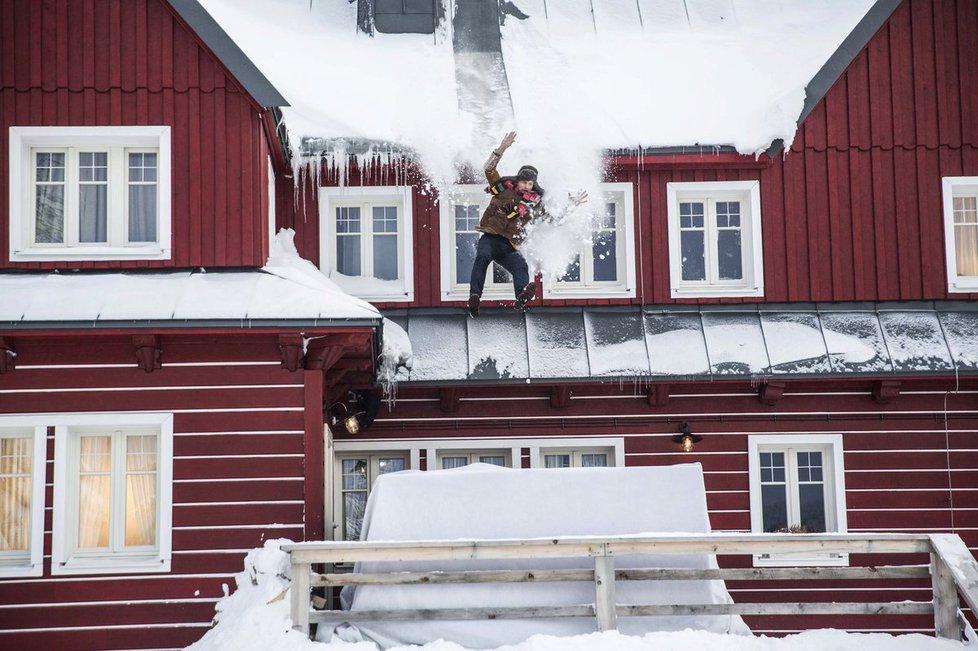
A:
(803, 560)
(487, 295)
(963, 285)
(716, 292)
(118, 564)
(11, 569)
(591, 292)
(92, 253)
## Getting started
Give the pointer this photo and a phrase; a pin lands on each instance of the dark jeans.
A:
(496, 248)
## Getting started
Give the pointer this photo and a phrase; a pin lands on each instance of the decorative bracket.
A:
(449, 399)
(149, 354)
(885, 390)
(770, 393)
(560, 396)
(657, 395)
(291, 347)
(8, 358)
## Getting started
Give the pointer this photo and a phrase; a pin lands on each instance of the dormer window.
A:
(715, 239)
(961, 233)
(90, 193)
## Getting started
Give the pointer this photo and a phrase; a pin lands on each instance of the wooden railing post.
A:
(301, 596)
(945, 599)
(605, 602)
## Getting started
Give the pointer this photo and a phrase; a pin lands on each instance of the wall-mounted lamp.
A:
(686, 438)
(340, 412)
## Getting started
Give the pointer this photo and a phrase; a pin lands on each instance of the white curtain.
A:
(140, 490)
(94, 491)
(966, 235)
(15, 493)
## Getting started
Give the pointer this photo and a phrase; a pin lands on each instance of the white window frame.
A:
(271, 203)
(31, 562)
(956, 186)
(830, 445)
(373, 472)
(451, 289)
(473, 455)
(752, 252)
(118, 141)
(330, 198)
(622, 195)
(65, 560)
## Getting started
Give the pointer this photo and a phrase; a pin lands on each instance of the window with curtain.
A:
(113, 493)
(90, 193)
(715, 238)
(366, 240)
(961, 232)
(571, 458)
(461, 209)
(23, 449)
(448, 460)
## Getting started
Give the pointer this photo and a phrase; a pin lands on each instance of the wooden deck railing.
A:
(952, 570)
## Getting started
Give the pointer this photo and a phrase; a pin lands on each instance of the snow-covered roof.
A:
(288, 291)
(705, 342)
(574, 78)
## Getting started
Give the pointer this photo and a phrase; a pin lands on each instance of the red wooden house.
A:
(823, 357)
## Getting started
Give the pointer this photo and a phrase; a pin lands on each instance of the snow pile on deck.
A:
(486, 502)
(256, 618)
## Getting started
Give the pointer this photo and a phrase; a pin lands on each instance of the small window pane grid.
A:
(94, 198)
(466, 219)
(117, 492)
(598, 262)
(575, 459)
(965, 218)
(357, 477)
(368, 240)
(793, 491)
(16, 487)
(459, 460)
(710, 241)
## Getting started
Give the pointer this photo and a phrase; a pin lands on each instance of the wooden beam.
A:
(885, 390)
(291, 348)
(321, 354)
(314, 451)
(560, 396)
(449, 399)
(8, 358)
(770, 393)
(148, 352)
(657, 395)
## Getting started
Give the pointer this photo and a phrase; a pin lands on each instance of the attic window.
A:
(961, 232)
(89, 193)
(715, 239)
(403, 16)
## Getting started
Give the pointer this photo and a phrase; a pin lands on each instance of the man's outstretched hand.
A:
(577, 199)
(508, 140)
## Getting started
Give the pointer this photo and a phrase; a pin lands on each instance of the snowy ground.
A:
(255, 617)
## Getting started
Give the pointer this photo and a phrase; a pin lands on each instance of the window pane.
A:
(49, 227)
(774, 507)
(354, 474)
(50, 167)
(348, 254)
(598, 460)
(141, 455)
(142, 167)
(391, 465)
(15, 493)
(966, 250)
(556, 461)
(465, 244)
(142, 213)
(605, 256)
(729, 262)
(812, 500)
(94, 491)
(385, 219)
(965, 210)
(495, 460)
(348, 219)
(385, 257)
(466, 217)
(353, 508)
(693, 248)
(573, 273)
(93, 213)
(691, 215)
(448, 463)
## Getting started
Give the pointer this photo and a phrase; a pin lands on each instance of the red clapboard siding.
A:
(111, 589)
(147, 70)
(92, 637)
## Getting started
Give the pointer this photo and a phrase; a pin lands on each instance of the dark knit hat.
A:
(527, 173)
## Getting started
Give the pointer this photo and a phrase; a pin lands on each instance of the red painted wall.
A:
(239, 468)
(133, 62)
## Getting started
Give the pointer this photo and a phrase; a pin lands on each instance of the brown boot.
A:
(525, 296)
(474, 305)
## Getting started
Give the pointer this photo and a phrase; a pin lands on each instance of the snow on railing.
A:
(952, 569)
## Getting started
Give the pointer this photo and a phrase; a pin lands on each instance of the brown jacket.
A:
(509, 211)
